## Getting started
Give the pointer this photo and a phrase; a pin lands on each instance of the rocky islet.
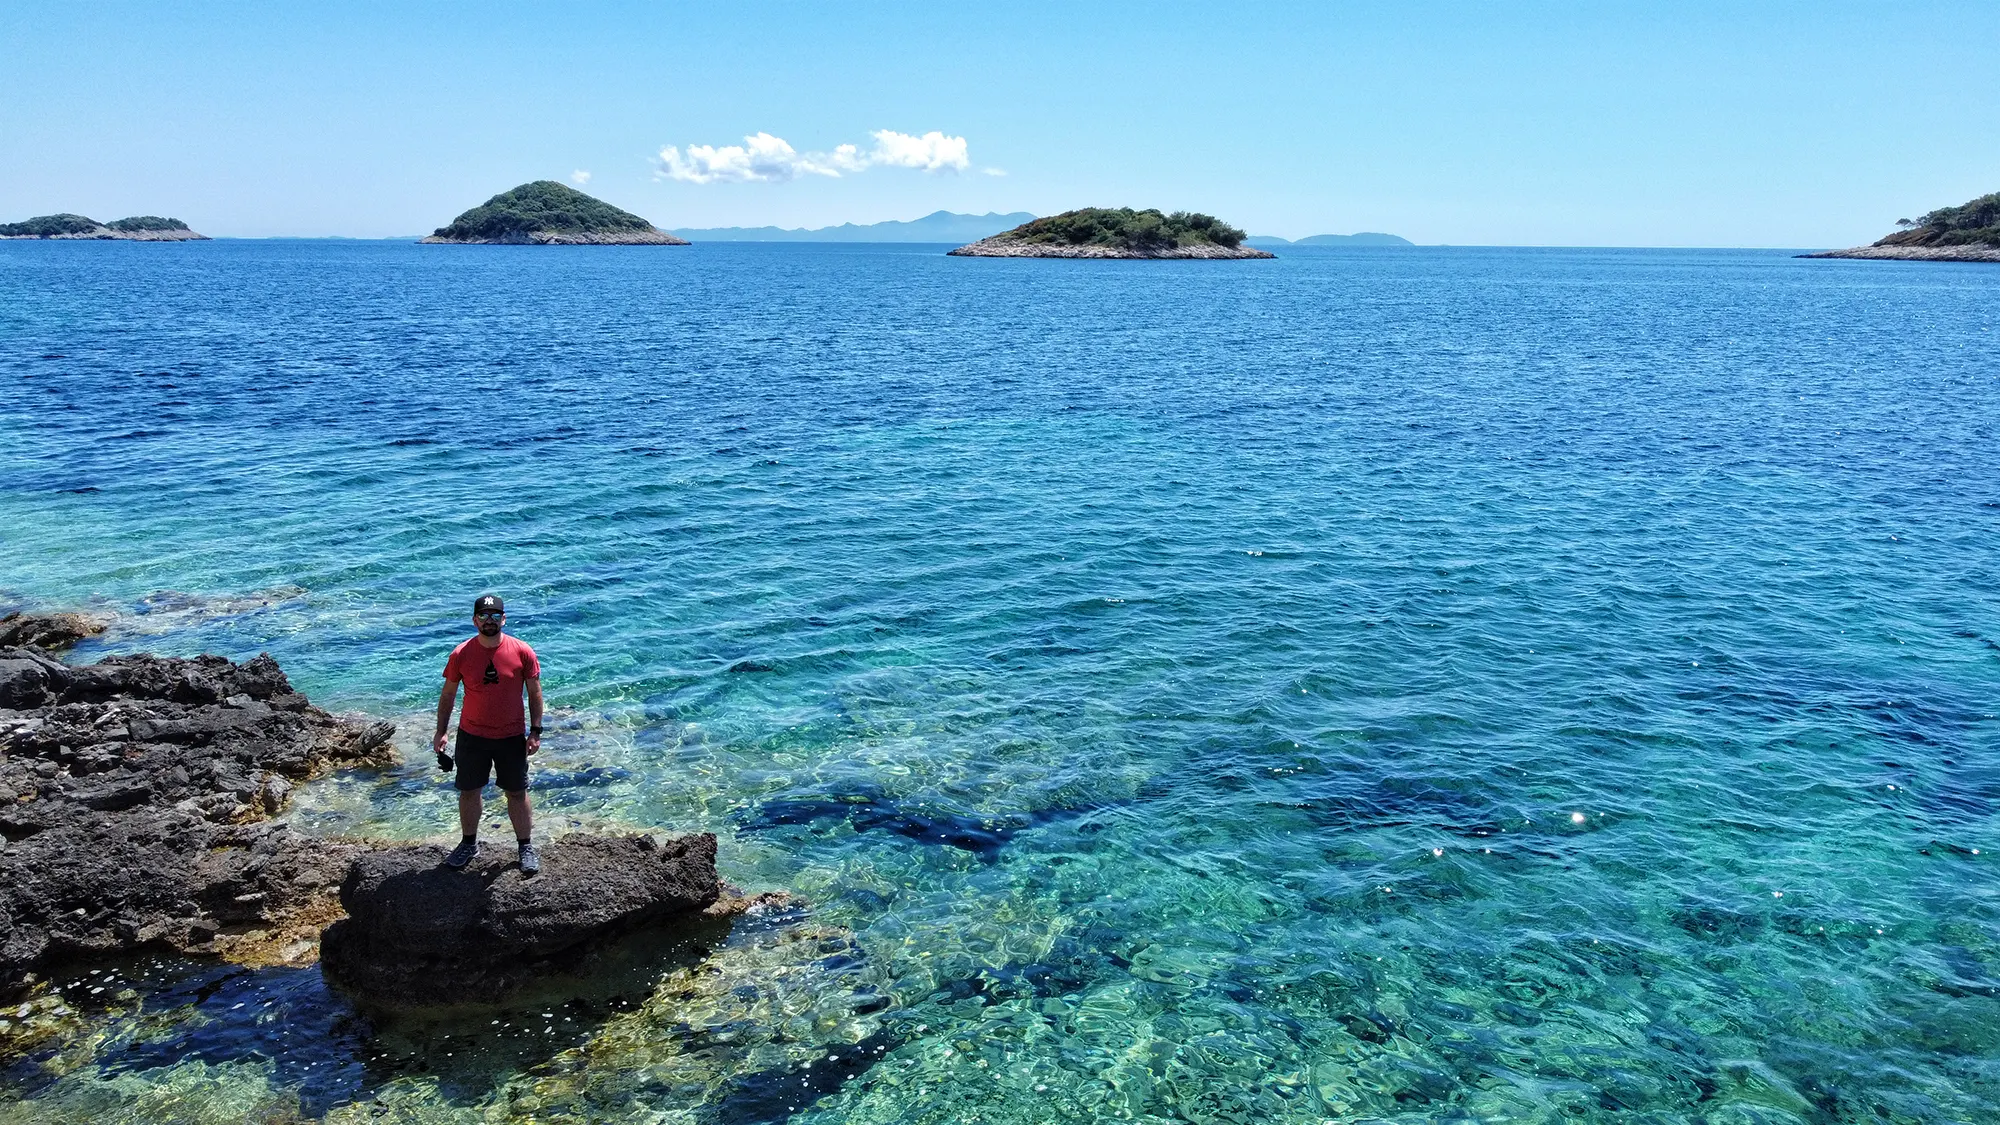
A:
(68, 227)
(546, 213)
(1117, 232)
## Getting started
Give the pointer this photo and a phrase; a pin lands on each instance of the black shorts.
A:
(505, 758)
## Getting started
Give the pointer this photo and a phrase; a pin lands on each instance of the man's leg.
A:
(470, 806)
(518, 812)
(475, 765)
(512, 773)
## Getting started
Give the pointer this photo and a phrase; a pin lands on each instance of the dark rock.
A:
(50, 631)
(130, 793)
(419, 934)
(29, 679)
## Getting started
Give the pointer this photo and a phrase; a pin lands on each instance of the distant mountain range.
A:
(1365, 238)
(938, 226)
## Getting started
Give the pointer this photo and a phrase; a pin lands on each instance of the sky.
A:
(1754, 123)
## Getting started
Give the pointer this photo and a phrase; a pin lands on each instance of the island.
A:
(1116, 232)
(138, 228)
(546, 213)
(1969, 232)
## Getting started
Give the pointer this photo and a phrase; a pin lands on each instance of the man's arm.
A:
(534, 714)
(446, 698)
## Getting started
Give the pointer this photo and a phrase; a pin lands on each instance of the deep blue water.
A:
(1371, 685)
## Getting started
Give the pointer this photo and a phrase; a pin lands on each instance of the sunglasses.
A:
(491, 615)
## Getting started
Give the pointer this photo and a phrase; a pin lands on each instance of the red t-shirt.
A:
(493, 710)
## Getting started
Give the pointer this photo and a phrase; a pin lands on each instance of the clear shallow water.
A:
(1397, 685)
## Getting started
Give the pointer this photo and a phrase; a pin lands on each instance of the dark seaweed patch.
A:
(775, 1095)
(868, 809)
(1398, 802)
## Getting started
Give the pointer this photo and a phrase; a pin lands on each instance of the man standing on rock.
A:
(495, 669)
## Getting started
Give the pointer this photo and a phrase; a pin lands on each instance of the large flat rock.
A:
(418, 933)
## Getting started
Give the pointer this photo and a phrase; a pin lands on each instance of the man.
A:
(495, 669)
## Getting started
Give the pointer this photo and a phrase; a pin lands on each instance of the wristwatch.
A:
(534, 730)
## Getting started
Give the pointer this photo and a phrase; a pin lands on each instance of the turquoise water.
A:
(1401, 685)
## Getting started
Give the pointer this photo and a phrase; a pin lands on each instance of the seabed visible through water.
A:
(1367, 686)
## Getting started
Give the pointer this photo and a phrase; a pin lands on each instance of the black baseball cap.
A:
(489, 603)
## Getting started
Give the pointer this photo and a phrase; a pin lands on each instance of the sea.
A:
(1373, 685)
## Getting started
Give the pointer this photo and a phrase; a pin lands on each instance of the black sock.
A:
(521, 840)
(467, 839)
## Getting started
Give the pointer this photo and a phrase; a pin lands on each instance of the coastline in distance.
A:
(1364, 238)
(938, 226)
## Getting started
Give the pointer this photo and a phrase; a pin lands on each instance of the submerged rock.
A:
(51, 631)
(418, 933)
(131, 796)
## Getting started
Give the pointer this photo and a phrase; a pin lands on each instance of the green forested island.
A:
(546, 213)
(138, 228)
(1116, 232)
(1969, 232)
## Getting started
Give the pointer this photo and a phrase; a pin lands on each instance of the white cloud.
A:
(933, 152)
(580, 176)
(993, 171)
(763, 158)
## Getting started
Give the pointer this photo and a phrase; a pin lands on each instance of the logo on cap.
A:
(488, 604)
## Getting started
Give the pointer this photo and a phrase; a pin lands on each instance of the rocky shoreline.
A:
(1970, 252)
(136, 798)
(562, 238)
(1001, 246)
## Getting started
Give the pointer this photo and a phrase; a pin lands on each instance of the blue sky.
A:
(1692, 124)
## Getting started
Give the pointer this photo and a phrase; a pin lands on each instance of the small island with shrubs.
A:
(1969, 232)
(546, 213)
(1116, 232)
(138, 228)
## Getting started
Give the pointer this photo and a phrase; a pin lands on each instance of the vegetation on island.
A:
(146, 222)
(58, 226)
(1126, 229)
(48, 226)
(1973, 222)
(544, 205)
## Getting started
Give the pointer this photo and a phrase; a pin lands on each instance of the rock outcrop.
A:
(418, 933)
(50, 631)
(134, 804)
(1892, 252)
(131, 793)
